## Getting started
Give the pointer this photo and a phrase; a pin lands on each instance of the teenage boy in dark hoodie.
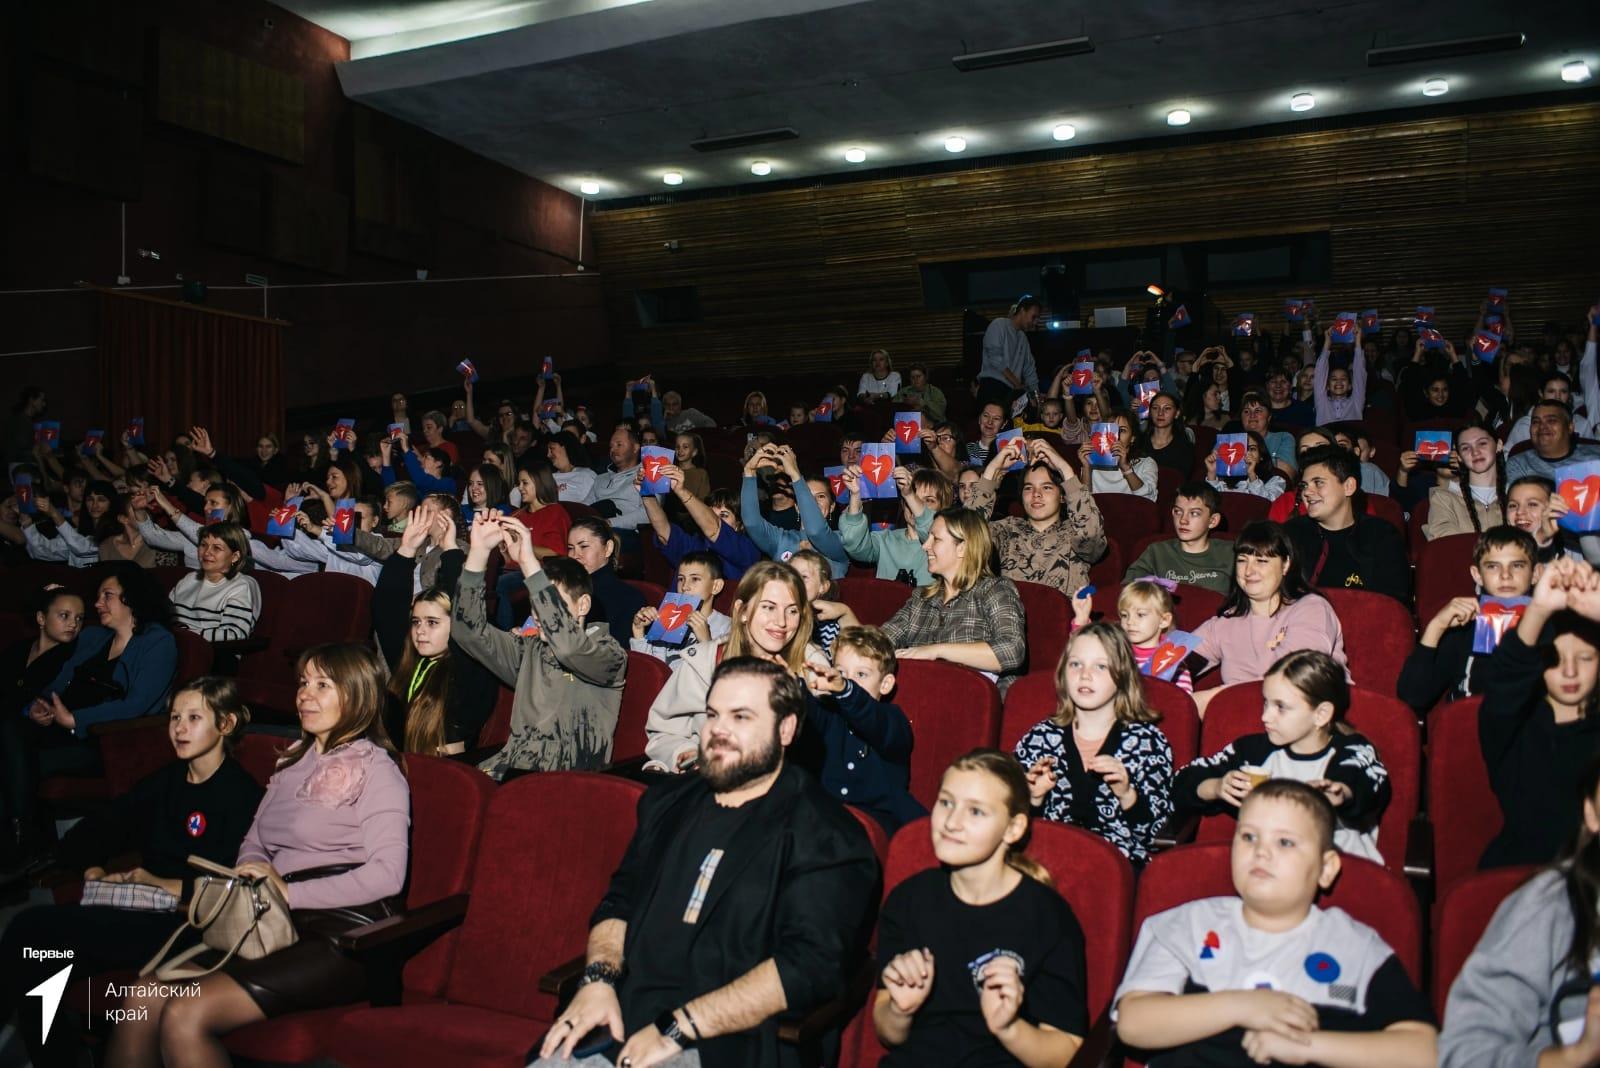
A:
(1338, 545)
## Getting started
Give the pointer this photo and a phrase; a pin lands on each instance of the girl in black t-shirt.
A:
(982, 962)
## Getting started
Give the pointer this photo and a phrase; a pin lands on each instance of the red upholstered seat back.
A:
(1127, 517)
(1377, 897)
(1107, 571)
(1048, 615)
(1378, 635)
(651, 592)
(549, 847)
(1385, 721)
(1241, 509)
(449, 801)
(1466, 815)
(1033, 698)
(873, 600)
(646, 676)
(1442, 573)
(497, 728)
(194, 656)
(1464, 915)
(952, 710)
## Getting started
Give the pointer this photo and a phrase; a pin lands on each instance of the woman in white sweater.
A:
(219, 601)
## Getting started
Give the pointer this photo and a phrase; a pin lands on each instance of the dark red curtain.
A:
(179, 366)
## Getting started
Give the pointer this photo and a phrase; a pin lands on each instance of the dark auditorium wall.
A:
(102, 102)
(1428, 211)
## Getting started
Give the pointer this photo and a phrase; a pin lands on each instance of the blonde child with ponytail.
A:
(981, 959)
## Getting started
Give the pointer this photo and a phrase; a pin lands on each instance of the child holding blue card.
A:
(1145, 611)
(1257, 474)
(1100, 761)
(897, 554)
(1128, 472)
(699, 580)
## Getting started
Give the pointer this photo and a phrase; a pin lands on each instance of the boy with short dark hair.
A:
(866, 740)
(1267, 976)
(699, 574)
(1505, 563)
(1337, 545)
(1193, 556)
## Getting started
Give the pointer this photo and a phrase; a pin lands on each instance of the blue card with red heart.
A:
(47, 432)
(1102, 436)
(823, 413)
(877, 472)
(396, 431)
(1424, 314)
(1144, 393)
(1180, 318)
(216, 515)
(1485, 346)
(280, 521)
(344, 434)
(1579, 486)
(528, 629)
(1496, 616)
(1231, 450)
(1371, 322)
(1497, 297)
(1294, 310)
(1000, 440)
(671, 626)
(652, 458)
(1432, 340)
(907, 431)
(344, 521)
(550, 409)
(1244, 324)
(1170, 654)
(548, 370)
(136, 430)
(1495, 325)
(835, 477)
(91, 441)
(1081, 384)
(1344, 328)
(22, 486)
(1433, 446)
(468, 370)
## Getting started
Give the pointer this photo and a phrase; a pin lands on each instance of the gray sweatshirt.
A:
(1498, 1013)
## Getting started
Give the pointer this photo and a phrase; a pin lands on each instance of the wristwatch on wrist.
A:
(600, 972)
(667, 1024)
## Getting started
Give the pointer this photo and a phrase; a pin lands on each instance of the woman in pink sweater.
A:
(331, 836)
(1269, 613)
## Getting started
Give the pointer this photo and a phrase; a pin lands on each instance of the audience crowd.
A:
(1119, 555)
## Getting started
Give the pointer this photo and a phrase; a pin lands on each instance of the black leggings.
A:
(101, 940)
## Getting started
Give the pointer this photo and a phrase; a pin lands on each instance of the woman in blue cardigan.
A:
(122, 669)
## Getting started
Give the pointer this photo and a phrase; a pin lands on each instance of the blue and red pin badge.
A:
(1322, 968)
(1579, 486)
(908, 432)
(1211, 946)
(671, 625)
(1496, 615)
(195, 824)
(280, 521)
(1102, 436)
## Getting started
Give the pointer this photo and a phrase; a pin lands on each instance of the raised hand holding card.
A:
(1496, 616)
(908, 432)
(1294, 310)
(344, 521)
(1485, 346)
(1000, 441)
(1424, 314)
(280, 521)
(22, 486)
(1180, 318)
(548, 370)
(1344, 328)
(1371, 323)
(344, 435)
(1102, 438)
(1145, 392)
(1082, 381)
(1231, 450)
(823, 413)
(1433, 446)
(468, 370)
(877, 472)
(671, 625)
(652, 460)
(1579, 486)
(1431, 338)
(91, 441)
(136, 430)
(1244, 324)
(47, 432)
(396, 430)
(835, 477)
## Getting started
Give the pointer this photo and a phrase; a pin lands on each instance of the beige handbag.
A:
(234, 913)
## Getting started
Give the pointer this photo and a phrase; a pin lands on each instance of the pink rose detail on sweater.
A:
(337, 781)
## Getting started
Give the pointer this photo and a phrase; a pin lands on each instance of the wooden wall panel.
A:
(1420, 212)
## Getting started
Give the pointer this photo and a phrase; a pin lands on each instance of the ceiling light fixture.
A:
(855, 155)
(1435, 87)
(1302, 102)
(955, 144)
(1437, 50)
(1178, 117)
(672, 178)
(1065, 132)
(1006, 57)
(760, 168)
(1576, 71)
(589, 187)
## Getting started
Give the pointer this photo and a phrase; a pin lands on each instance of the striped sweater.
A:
(217, 611)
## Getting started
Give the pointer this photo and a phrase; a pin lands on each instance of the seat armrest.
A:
(426, 921)
(562, 980)
(1178, 829)
(1419, 852)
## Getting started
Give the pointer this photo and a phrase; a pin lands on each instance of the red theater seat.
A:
(314, 609)
(952, 710)
(1378, 636)
(1048, 616)
(1127, 517)
(1443, 572)
(646, 676)
(1464, 914)
(873, 600)
(1465, 813)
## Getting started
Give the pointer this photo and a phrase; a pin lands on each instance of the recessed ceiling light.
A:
(589, 187)
(1178, 117)
(1435, 87)
(760, 168)
(955, 144)
(855, 155)
(672, 178)
(1576, 71)
(1065, 132)
(1302, 102)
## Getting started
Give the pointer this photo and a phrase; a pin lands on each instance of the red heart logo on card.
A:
(343, 518)
(876, 468)
(1433, 449)
(653, 466)
(1230, 453)
(283, 516)
(1581, 496)
(1501, 617)
(1102, 442)
(1166, 657)
(836, 485)
(674, 616)
(1082, 378)
(907, 431)
(24, 495)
